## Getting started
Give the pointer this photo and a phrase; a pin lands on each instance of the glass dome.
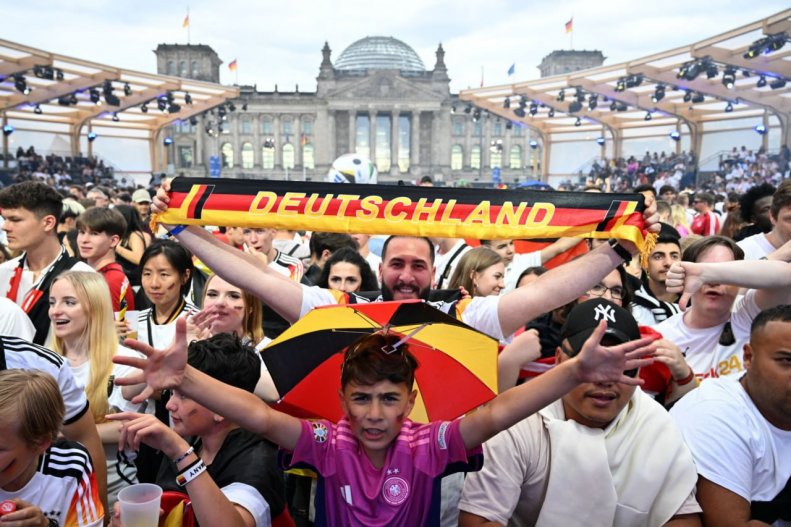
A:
(379, 53)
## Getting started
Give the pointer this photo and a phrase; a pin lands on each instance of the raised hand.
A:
(161, 199)
(199, 325)
(161, 369)
(597, 363)
(146, 428)
(685, 278)
(650, 223)
(671, 356)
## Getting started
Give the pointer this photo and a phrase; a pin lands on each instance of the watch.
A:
(625, 255)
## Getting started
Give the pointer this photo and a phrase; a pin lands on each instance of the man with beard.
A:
(715, 329)
(652, 303)
(772, 214)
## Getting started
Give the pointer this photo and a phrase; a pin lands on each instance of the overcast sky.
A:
(279, 42)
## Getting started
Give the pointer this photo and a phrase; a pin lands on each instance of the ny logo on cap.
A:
(605, 312)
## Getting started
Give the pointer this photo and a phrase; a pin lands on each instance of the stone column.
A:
(235, 122)
(278, 145)
(255, 122)
(394, 142)
(352, 131)
(414, 152)
(372, 134)
(197, 159)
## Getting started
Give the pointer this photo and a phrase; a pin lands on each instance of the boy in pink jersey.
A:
(375, 466)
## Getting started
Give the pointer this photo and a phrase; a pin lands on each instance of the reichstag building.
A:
(377, 99)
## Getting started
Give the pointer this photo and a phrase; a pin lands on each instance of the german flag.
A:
(412, 211)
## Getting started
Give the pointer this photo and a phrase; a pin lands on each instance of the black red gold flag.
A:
(405, 210)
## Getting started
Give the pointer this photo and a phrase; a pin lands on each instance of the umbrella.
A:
(457, 364)
(535, 185)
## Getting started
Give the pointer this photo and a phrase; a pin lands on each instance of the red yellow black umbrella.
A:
(457, 364)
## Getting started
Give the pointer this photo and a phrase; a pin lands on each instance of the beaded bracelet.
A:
(191, 472)
(182, 457)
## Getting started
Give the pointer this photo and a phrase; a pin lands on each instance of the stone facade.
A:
(563, 61)
(405, 120)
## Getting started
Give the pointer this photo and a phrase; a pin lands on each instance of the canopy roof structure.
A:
(47, 92)
(739, 74)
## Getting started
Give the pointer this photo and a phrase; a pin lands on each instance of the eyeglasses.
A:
(616, 292)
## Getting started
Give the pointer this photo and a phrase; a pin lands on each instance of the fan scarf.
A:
(404, 210)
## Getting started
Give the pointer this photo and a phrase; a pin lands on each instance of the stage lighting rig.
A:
(729, 77)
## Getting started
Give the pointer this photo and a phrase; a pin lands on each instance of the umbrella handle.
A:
(391, 349)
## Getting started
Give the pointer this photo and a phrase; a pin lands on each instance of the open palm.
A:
(600, 363)
(161, 369)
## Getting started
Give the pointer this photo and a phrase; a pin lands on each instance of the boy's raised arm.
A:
(168, 369)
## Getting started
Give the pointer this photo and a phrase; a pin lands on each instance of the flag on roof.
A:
(570, 25)
(232, 65)
(512, 69)
(186, 22)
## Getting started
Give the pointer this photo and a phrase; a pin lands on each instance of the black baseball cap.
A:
(585, 317)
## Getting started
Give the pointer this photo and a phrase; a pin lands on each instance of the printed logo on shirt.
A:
(320, 432)
(443, 444)
(395, 490)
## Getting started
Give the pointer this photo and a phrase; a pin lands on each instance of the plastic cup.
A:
(140, 505)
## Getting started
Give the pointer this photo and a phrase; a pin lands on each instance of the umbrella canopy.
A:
(457, 364)
(535, 185)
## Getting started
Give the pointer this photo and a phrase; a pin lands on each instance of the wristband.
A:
(182, 457)
(686, 380)
(176, 230)
(622, 253)
(191, 472)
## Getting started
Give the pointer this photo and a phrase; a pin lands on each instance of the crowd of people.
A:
(632, 389)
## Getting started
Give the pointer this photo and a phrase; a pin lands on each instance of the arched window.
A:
(268, 157)
(195, 69)
(247, 155)
(516, 157)
(288, 156)
(227, 155)
(475, 157)
(308, 159)
(182, 68)
(456, 157)
(171, 68)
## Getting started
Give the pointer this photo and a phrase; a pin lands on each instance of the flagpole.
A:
(189, 28)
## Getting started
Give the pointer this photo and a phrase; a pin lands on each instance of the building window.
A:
(246, 127)
(288, 156)
(307, 127)
(458, 127)
(383, 132)
(475, 157)
(195, 69)
(477, 128)
(495, 158)
(404, 142)
(456, 157)
(185, 127)
(362, 136)
(308, 157)
(185, 156)
(288, 128)
(182, 68)
(171, 68)
(498, 128)
(266, 126)
(516, 157)
(268, 156)
(516, 131)
(227, 155)
(247, 155)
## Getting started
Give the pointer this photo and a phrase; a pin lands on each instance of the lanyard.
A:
(35, 292)
(152, 319)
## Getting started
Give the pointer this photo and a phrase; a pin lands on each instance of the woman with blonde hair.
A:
(678, 215)
(83, 331)
(481, 272)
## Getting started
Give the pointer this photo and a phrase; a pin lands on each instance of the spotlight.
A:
(91, 137)
(729, 78)
(507, 102)
(711, 69)
(728, 107)
(21, 84)
(64, 101)
(95, 97)
(209, 131)
(468, 108)
(613, 106)
(687, 96)
(761, 129)
(8, 130)
(476, 115)
(692, 71)
(578, 122)
(509, 125)
(698, 97)
(746, 74)
(533, 144)
(73, 98)
(659, 93)
(600, 141)
(127, 89)
(620, 85)
(579, 95)
(561, 96)
(37, 110)
(452, 108)
(648, 116)
(574, 106)
(187, 98)
(551, 112)
(112, 100)
(533, 108)
(144, 108)
(162, 103)
(777, 83)
(593, 101)
(675, 136)
(193, 120)
(115, 117)
(244, 108)
(519, 112)
(776, 41)
(173, 108)
(634, 81)
(167, 141)
(522, 101)
(59, 74)
(231, 107)
(761, 82)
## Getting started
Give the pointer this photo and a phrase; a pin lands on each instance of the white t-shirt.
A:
(160, 336)
(24, 355)
(26, 283)
(14, 321)
(733, 445)
(444, 264)
(517, 265)
(756, 246)
(704, 354)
